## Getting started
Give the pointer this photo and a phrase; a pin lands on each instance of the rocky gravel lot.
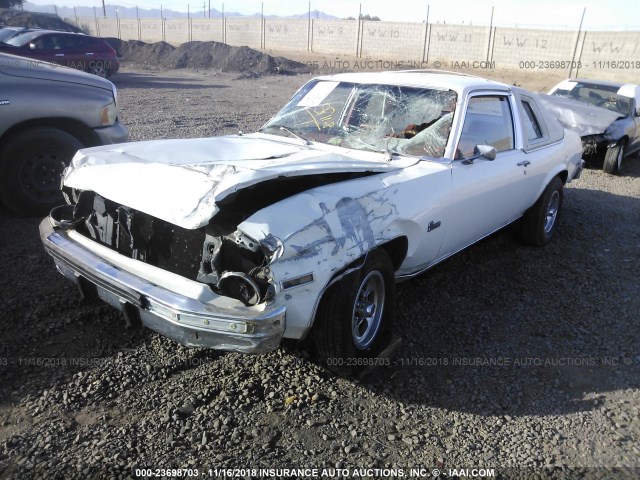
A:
(516, 358)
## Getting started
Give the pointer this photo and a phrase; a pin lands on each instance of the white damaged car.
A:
(304, 227)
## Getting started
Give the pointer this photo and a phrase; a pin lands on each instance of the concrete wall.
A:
(334, 36)
(295, 35)
(151, 30)
(129, 28)
(449, 42)
(108, 27)
(205, 29)
(399, 41)
(614, 55)
(512, 46)
(244, 31)
(176, 31)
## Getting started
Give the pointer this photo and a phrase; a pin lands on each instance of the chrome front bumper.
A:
(186, 320)
(116, 133)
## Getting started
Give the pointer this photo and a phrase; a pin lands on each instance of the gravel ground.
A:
(514, 358)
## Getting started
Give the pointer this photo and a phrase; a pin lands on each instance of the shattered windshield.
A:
(382, 118)
(593, 94)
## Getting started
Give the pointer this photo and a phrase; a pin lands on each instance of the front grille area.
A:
(141, 236)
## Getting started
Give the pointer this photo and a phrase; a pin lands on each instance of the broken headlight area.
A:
(594, 148)
(238, 267)
(232, 264)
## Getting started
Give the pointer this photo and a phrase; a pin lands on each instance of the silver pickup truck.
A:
(47, 113)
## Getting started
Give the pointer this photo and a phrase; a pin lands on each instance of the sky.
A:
(600, 14)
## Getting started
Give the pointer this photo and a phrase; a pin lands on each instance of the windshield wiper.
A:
(388, 153)
(289, 131)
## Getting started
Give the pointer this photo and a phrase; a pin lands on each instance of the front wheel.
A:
(31, 163)
(539, 223)
(354, 319)
(613, 158)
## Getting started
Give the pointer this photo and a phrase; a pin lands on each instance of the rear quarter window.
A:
(531, 123)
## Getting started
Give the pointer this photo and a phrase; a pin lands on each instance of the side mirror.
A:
(485, 151)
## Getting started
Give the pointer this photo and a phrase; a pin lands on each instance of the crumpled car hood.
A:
(180, 181)
(577, 116)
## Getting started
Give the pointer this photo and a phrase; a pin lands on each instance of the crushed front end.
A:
(207, 287)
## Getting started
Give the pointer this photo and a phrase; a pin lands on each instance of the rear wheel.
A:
(354, 319)
(539, 223)
(31, 164)
(100, 69)
(613, 158)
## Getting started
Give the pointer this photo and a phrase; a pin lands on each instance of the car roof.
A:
(32, 34)
(460, 83)
(44, 30)
(604, 83)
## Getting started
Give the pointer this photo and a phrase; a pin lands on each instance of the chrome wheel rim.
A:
(99, 70)
(552, 211)
(367, 310)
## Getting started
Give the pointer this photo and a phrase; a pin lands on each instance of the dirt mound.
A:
(135, 51)
(20, 18)
(205, 55)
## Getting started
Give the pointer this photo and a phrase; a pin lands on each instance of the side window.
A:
(62, 42)
(531, 123)
(44, 43)
(488, 121)
(78, 42)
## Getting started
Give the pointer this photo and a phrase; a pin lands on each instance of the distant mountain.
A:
(131, 12)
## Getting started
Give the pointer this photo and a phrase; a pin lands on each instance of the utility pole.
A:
(575, 49)
(104, 9)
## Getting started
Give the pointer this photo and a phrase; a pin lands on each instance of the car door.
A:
(79, 52)
(486, 194)
(41, 48)
(66, 52)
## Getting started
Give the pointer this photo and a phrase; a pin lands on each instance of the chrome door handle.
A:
(59, 55)
(524, 163)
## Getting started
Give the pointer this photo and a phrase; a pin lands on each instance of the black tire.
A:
(613, 158)
(31, 163)
(540, 222)
(342, 344)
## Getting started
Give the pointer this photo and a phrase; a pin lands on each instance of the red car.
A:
(75, 50)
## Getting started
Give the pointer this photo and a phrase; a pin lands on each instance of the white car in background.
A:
(304, 227)
(605, 114)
